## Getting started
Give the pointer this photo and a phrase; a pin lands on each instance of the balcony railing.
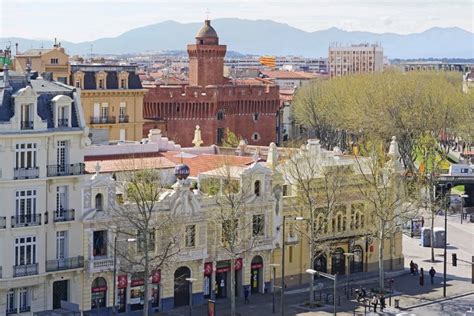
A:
(1, 272)
(24, 309)
(123, 119)
(3, 222)
(66, 170)
(26, 173)
(26, 220)
(103, 264)
(65, 264)
(12, 310)
(26, 124)
(63, 122)
(102, 119)
(63, 215)
(25, 269)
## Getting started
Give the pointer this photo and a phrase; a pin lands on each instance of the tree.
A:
(239, 231)
(139, 217)
(230, 139)
(382, 188)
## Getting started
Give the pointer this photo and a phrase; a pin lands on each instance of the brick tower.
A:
(206, 58)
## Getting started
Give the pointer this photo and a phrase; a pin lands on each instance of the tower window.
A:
(255, 136)
(220, 115)
(255, 116)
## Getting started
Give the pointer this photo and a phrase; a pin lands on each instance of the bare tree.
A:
(138, 216)
(233, 191)
(381, 186)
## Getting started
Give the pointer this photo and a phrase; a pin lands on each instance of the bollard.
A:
(397, 303)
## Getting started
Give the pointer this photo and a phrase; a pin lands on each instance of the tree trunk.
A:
(232, 286)
(432, 236)
(381, 257)
(146, 275)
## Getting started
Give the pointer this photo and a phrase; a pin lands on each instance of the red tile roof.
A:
(128, 164)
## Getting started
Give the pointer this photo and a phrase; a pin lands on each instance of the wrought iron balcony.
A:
(63, 122)
(123, 119)
(63, 215)
(66, 170)
(12, 310)
(65, 264)
(26, 125)
(26, 173)
(25, 270)
(102, 119)
(24, 309)
(26, 220)
(3, 222)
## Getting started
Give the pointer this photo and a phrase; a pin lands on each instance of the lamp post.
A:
(274, 266)
(444, 193)
(347, 255)
(114, 299)
(296, 218)
(463, 196)
(311, 295)
(190, 280)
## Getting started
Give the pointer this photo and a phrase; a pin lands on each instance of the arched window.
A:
(357, 260)
(99, 204)
(256, 188)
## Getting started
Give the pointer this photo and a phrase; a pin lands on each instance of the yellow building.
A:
(344, 229)
(53, 60)
(112, 98)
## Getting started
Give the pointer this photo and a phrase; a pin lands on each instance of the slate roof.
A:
(112, 71)
(36, 52)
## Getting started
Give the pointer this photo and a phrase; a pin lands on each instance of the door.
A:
(181, 287)
(61, 157)
(122, 134)
(255, 280)
(221, 280)
(60, 293)
(96, 111)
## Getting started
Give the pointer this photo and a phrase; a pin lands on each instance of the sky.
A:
(86, 20)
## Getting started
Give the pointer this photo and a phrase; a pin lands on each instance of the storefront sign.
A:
(156, 277)
(99, 289)
(122, 281)
(225, 266)
(257, 265)
(208, 268)
(138, 282)
(238, 264)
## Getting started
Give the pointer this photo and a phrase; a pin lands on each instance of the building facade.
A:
(212, 101)
(42, 134)
(355, 59)
(53, 60)
(112, 98)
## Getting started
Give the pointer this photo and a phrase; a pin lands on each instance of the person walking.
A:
(375, 301)
(382, 303)
(412, 267)
(432, 274)
(246, 294)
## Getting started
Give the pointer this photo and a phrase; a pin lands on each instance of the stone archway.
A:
(181, 286)
(338, 262)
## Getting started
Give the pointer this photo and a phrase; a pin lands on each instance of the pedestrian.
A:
(432, 274)
(415, 268)
(382, 303)
(412, 268)
(375, 301)
(246, 294)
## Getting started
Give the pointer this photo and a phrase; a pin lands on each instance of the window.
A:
(61, 244)
(141, 241)
(99, 243)
(61, 198)
(26, 116)
(25, 250)
(104, 111)
(123, 84)
(63, 113)
(258, 225)
(19, 296)
(122, 109)
(78, 83)
(101, 83)
(220, 115)
(11, 302)
(25, 155)
(62, 156)
(290, 254)
(256, 188)
(285, 190)
(54, 61)
(25, 205)
(190, 235)
(255, 136)
(99, 203)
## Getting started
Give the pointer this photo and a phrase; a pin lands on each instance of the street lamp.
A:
(311, 292)
(190, 280)
(115, 269)
(274, 266)
(444, 193)
(347, 255)
(463, 196)
(295, 218)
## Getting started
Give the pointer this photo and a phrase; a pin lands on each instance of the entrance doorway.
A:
(338, 262)
(320, 263)
(60, 293)
(357, 260)
(256, 275)
(181, 286)
(99, 293)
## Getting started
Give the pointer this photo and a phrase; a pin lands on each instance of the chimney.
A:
(5, 75)
(16, 48)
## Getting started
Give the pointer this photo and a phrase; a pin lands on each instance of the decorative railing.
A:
(63, 215)
(66, 170)
(3, 222)
(26, 220)
(64, 122)
(26, 125)
(123, 119)
(102, 119)
(65, 264)
(26, 173)
(25, 270)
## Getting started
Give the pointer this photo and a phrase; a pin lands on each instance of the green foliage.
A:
(231, 139)
(210, 186)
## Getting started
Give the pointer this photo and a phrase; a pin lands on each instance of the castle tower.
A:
(206, 58)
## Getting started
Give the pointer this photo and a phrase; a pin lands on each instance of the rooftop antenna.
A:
(91, 53)
(207, 13)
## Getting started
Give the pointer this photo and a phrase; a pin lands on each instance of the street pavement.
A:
(413, 298)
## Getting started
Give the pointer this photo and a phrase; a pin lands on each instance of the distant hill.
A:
(268, 37)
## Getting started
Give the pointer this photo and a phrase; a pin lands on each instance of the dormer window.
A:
(123, 79)
(78, 84)
(54, 61)
(99, 203)
(101, 84)
(123, 84)
(27, 116)
(62, 105)
(63, 116)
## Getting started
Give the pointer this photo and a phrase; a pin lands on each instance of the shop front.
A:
(222, 285)
(99, 293)
(256, 275)
(137, 292)
(207, 279)
(155, 289)
(122, 283)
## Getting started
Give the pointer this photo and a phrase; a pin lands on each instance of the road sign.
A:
(327, 275)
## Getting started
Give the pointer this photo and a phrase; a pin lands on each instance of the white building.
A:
(355, 59)
(42, 133)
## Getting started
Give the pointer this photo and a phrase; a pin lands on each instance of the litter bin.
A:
(397, 303)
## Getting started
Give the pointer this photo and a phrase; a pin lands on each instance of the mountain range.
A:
(266, 37)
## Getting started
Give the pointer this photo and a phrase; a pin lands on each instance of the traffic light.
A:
(455, 260)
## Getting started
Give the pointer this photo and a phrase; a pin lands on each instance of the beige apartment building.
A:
(355, 59)
(112, 98)
(54, 60)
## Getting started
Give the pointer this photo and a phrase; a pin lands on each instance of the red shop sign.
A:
(257, 265)
(224, 269)
(122, 281)
(138, 282)
(99, 289)
(208, 268)
(156, 277)
(238, 264)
